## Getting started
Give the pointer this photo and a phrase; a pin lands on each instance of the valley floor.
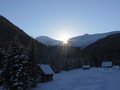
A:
(78, 79)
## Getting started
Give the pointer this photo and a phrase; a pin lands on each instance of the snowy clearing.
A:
(78, 79)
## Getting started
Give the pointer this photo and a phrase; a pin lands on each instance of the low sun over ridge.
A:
(65, 38)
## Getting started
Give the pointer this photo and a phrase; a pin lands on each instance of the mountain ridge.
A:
(78, 41)
(106, 49)
(48, 41)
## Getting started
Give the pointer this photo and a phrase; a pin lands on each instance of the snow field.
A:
(78, 79)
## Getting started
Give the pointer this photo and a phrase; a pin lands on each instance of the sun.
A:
(65, 38)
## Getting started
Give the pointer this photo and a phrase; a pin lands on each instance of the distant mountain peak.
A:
(48, 41)
(79, 41)
(86, 34)
(87, 39)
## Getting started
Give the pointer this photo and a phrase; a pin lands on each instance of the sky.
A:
(54, 18)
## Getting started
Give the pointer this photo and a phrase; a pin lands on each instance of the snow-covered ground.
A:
(78, 79)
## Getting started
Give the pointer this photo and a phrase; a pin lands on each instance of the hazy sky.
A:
(55, 17)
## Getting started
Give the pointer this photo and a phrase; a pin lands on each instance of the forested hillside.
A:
(106, 49)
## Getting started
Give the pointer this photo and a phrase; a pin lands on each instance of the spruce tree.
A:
(2, 62)
(17, 70)
(34, 69)
(9, 70)
(2, 58)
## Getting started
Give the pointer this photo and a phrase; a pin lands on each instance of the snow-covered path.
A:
(79, 79)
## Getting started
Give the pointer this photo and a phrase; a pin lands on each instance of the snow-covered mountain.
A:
(79, 41)
(48, 41)
(87, 39)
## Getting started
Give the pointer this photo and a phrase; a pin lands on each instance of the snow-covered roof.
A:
(86, 66)
(106, 64)
(46, 69)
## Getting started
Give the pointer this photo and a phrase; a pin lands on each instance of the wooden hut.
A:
(116, 67)
(86, 67)
(107, 64)
(47, 72)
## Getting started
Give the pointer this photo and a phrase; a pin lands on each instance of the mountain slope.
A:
(11, 33)
(111, 42)
(106, 49)
(85, 40)
(48, 41)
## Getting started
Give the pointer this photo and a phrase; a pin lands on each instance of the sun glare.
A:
(65, 38)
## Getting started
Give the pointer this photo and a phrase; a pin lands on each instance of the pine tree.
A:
(34, 69)
(9, 70)
(17, 72)
(2, 60)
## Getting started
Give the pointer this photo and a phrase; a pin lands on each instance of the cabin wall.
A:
(107, 66)
(86, 68)
(48, 77)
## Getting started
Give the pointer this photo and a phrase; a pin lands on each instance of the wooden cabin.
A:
(107, 64)
(47, 73)
(116, 67)
(86, 67)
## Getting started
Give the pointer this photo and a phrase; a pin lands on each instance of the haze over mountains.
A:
(79, 41)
